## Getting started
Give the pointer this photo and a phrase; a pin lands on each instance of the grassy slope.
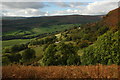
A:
(51, 28)
(39, 51)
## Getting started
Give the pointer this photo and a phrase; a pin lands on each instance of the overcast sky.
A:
(52, 8)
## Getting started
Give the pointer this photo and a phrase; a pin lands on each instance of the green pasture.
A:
(9, 43)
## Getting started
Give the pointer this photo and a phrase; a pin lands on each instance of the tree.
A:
(61, 54)
(28, 54)
(48, 58)
(11, 58)
(83, 44)
(102, 30)
(15, 57)
(5, 61)
(73, 60)
(7, 50)
(17, 48)
(14, 48)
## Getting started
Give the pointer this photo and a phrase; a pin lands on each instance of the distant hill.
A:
(110, 20)
(12, 18)
(16, 23)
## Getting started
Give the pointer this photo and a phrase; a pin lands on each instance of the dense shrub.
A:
(83, 44)
(11, 58)
(46, 40)
(102, 30)
(105, 50)
(61, 54)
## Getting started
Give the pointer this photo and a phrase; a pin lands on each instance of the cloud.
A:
(95, 8)
(70, 4)
(61, 4)
(24, 12)
(24, 5)
(78, 4)
(29, 12)
(65, 12)
(29, 9)
(57, 0)
(100, 7)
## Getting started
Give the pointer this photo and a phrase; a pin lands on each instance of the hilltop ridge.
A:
(112, 18)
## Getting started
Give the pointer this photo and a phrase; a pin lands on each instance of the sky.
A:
(34, 8)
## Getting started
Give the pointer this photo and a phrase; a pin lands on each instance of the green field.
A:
(33, 32)
(39, 51)
(53, 28)
(40, 30)
(9, 43)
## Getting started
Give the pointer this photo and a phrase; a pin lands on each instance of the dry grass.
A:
(98, 71)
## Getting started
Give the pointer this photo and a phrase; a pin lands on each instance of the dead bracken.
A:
(92, 71)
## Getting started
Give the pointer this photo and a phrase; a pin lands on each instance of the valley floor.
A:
(64, 72)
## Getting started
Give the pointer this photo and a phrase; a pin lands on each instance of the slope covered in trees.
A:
(105, 50)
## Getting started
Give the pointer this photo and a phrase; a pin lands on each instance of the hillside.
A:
(41, 25)
(11, 18)
(112, 19)
(33, 22)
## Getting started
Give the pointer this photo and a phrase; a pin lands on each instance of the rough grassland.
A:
(98, 71)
